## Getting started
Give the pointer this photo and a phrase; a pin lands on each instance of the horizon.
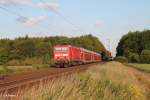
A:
(108, 20)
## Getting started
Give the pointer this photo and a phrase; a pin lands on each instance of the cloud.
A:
(15, 2)
(31, 21)
(51, 6)
(47, 5)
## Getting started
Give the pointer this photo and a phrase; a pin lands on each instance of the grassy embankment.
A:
(19, 69)
(143, 67)
(111, 81)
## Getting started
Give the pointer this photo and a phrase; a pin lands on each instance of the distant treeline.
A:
(135, 46)
(25, 50)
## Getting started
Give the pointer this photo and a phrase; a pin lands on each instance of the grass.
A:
(3, 70)
(19, 66)
(143, 67)
(111, 81)
(19, 69)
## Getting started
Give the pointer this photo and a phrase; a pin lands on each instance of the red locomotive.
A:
(68, 55)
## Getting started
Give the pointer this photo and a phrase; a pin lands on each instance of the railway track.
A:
(12, 83)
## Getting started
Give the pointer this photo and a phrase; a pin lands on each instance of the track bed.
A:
(12, 82)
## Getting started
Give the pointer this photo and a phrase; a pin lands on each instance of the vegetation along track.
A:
(12, 82)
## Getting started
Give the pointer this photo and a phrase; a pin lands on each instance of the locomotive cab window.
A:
(61, 49)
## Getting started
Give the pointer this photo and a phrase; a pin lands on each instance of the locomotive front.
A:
(61, 55)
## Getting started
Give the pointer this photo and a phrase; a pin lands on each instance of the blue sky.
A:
(106, 19)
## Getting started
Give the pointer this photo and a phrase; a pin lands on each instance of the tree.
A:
(3, 56)
(132, 44)
(121, 59)
(48, 54)
(24, 48)
(145, 56)
(133, 57)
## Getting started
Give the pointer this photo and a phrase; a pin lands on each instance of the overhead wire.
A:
(63, 17)
(56, 12)
(10, 11)
(19, 15)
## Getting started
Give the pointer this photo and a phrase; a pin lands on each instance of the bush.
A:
(3, 59)
(30, 61)
(121, 59)
(133, 57)
(25, 62)
(145, 56)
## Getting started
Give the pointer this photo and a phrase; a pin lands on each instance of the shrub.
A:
(27, 61)
(133, 57)
(145, 56)
(30, 61)
(3, 59)
(121, 59)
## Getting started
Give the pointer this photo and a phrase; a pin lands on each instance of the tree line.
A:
(27, 50)
(135, 46)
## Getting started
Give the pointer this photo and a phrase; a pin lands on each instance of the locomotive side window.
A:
(64, 49)
(61, 49)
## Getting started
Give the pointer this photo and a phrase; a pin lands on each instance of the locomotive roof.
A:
(90, 51)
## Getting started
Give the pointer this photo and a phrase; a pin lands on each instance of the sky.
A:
(109, 20)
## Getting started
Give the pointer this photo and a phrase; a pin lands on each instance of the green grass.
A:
(143, 67)
(4, 70)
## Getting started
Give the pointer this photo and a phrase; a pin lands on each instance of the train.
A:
(69, 55)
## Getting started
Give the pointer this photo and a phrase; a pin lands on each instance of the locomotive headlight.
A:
(57, 55)
(64, 54)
